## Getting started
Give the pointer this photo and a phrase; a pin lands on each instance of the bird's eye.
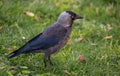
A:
(72, 17)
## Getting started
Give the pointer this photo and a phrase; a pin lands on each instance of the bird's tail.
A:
(21, 50)
(16, 53)
(13, 54)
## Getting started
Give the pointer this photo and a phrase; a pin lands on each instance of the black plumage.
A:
(52, 39)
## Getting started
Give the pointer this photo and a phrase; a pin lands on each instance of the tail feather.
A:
(13, 54)
(21, 50)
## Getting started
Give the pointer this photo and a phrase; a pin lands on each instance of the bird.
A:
(52, 39)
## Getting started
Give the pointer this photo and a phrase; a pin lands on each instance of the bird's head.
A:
(73, 15)
(68, 17)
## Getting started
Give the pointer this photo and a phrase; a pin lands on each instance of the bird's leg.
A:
(45, 61)
(50, 60)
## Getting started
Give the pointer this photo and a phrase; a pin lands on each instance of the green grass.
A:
(101, 19)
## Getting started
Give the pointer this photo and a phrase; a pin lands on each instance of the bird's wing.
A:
(39, 43)
(43, 43)
(49, 38)
(36, 43)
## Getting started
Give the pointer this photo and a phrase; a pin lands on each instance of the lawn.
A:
(95, 39)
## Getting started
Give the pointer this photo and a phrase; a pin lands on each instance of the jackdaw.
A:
(52, 39)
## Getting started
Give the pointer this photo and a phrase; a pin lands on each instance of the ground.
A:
(93, 48)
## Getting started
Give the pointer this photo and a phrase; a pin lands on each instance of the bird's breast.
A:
(61, 43)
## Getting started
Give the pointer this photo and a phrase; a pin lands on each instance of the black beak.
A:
(78, 17)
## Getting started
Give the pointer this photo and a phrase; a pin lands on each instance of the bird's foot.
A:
(45, 65)
(51, 63)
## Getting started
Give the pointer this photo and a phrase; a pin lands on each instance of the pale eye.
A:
(72, 16)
